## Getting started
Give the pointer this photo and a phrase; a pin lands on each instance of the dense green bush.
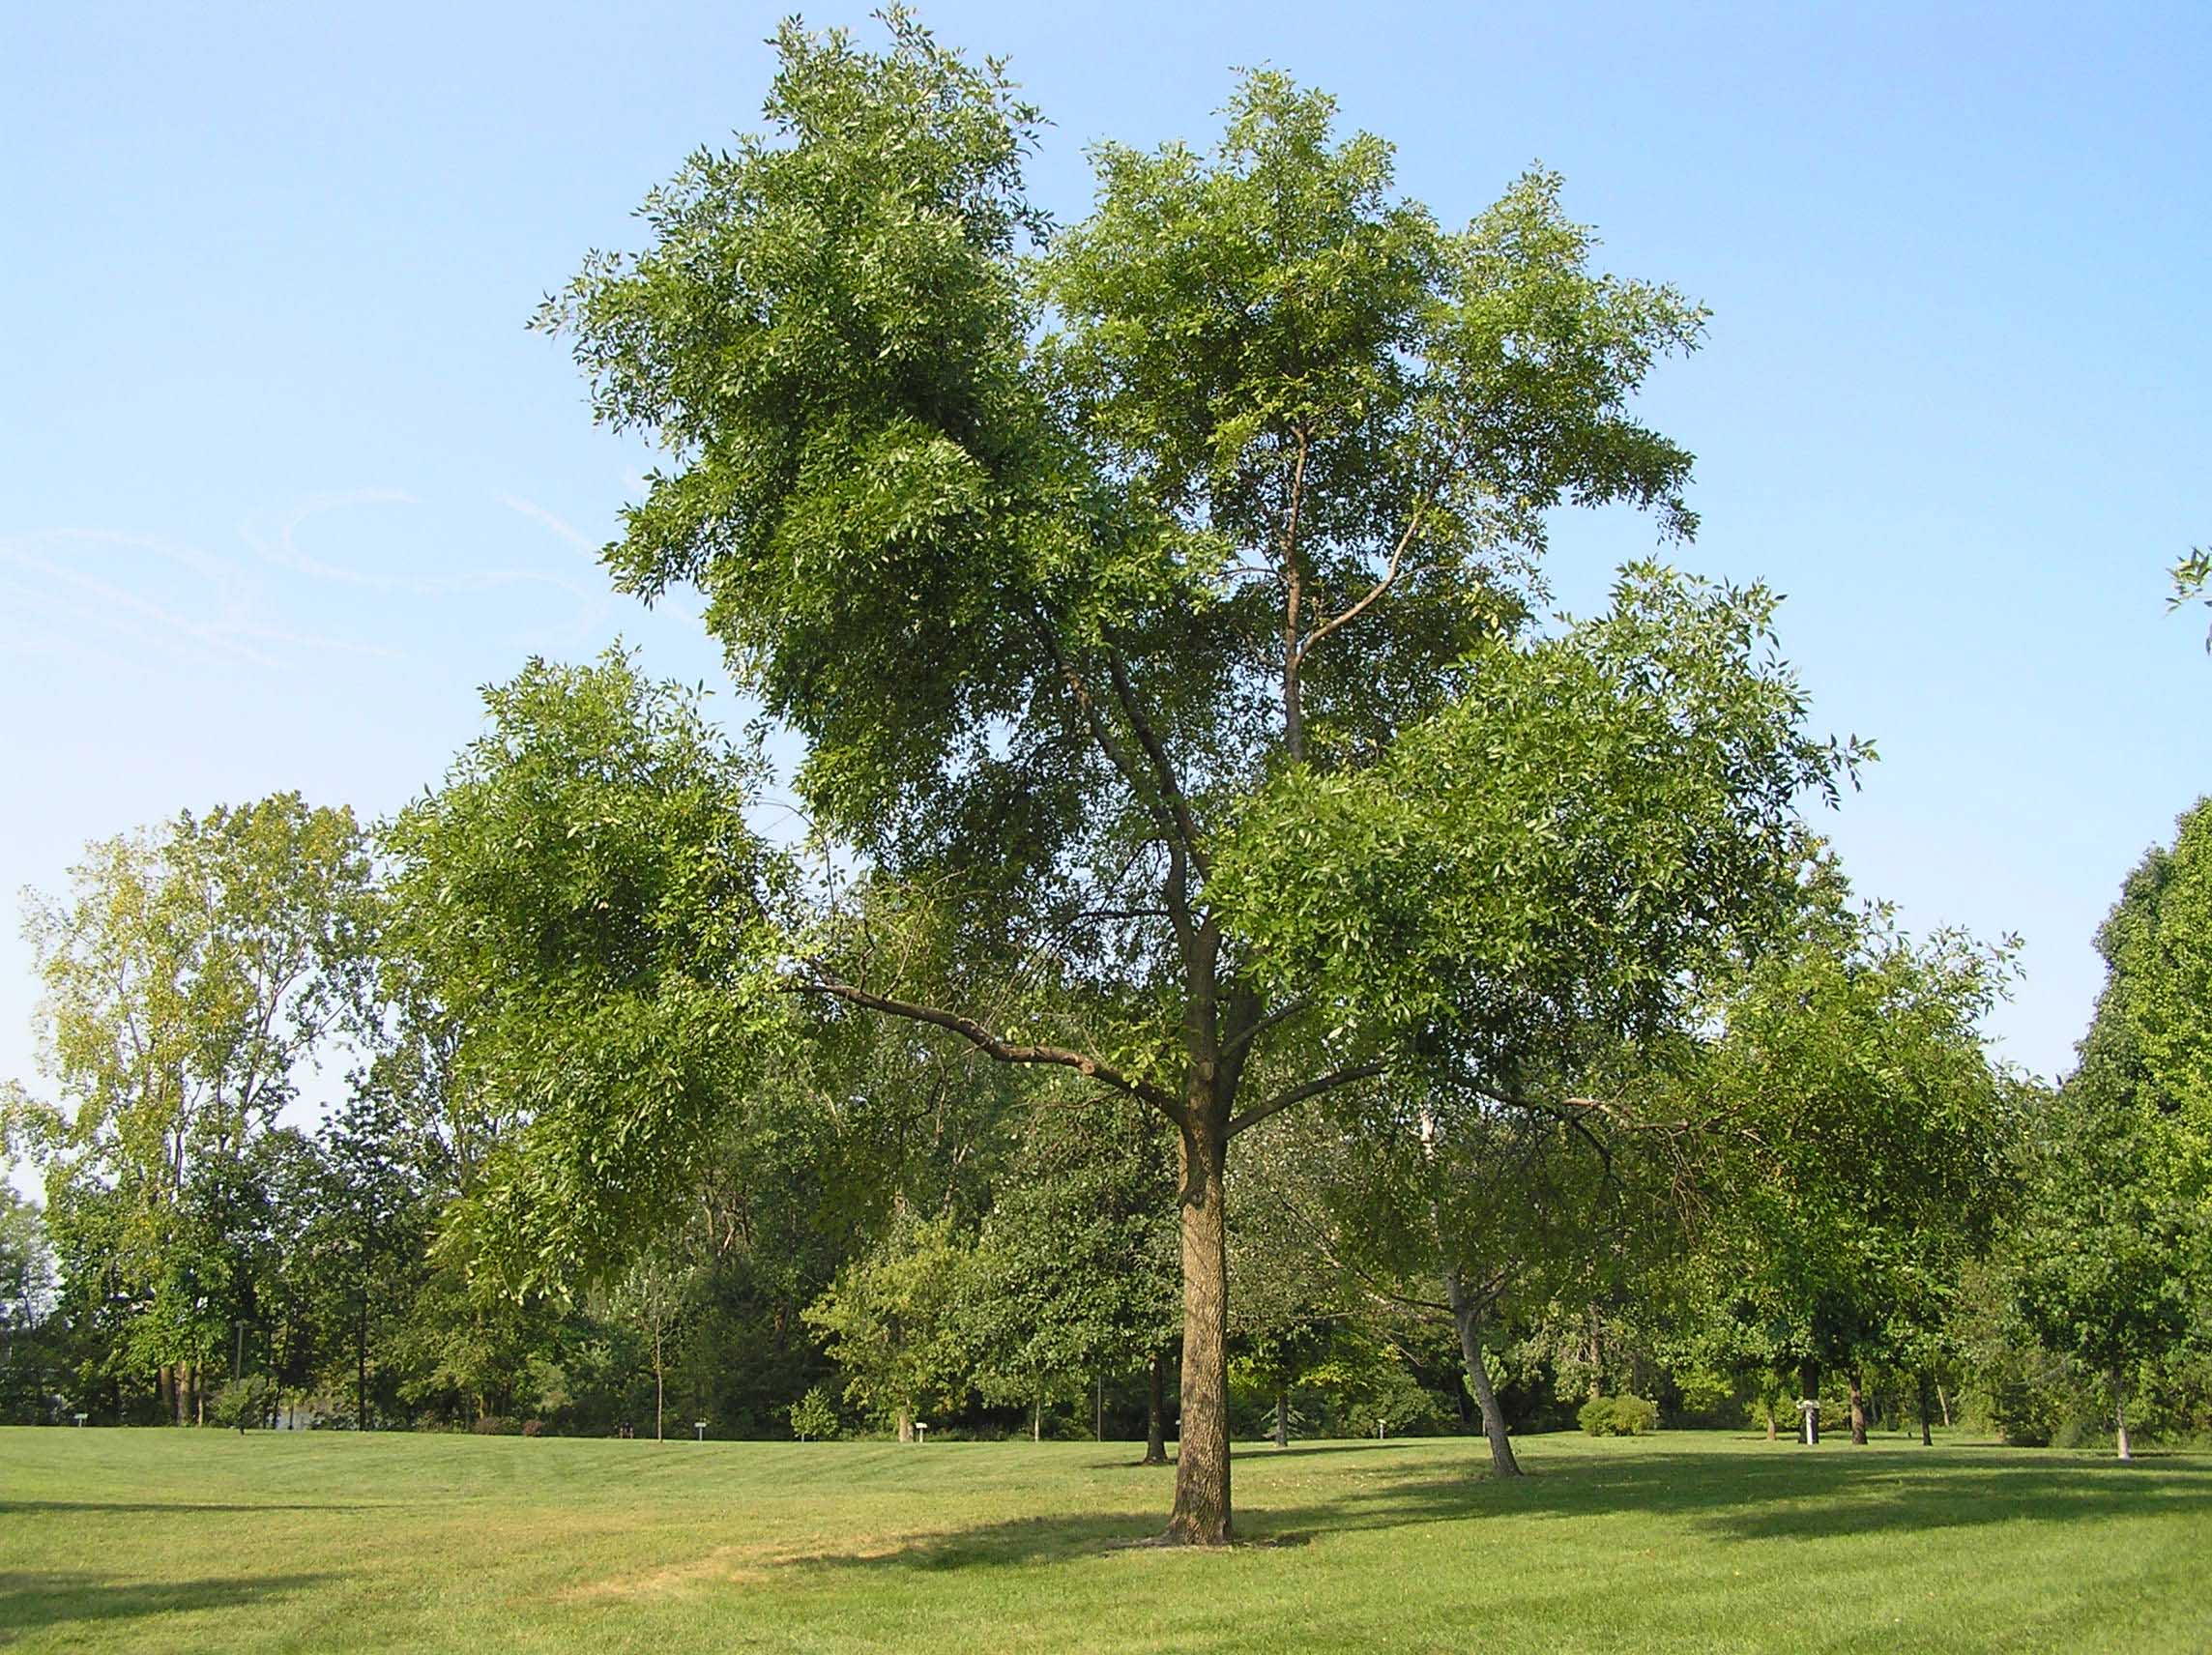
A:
(814, 1416)
(1619, 1416)
(244, 1405)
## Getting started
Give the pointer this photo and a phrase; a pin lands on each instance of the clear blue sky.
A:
(283, 478)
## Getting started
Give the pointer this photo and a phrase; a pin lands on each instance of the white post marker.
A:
(921, 1431)
(699, 1429)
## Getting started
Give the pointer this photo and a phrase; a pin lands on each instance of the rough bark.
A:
(1201, 1515)
(1943, 1403)
(1156, 1413)
(1858, 1408)
(906, 1425)
(1467, 1315)
(1282, 1419)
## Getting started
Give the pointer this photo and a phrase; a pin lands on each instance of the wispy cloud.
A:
(287, 552)
(118, 609)
(537, 514)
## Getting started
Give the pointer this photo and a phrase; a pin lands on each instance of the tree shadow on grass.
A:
(1819, 1493)
(1756, 1493)
(1243, 1451)
(12, 1507)
(35, 1601)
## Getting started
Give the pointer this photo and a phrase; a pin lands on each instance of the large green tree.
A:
(1862, 1144)
(1058, 552)
(2114, 1249)
(188, 977)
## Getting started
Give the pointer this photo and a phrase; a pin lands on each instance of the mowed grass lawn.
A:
(189, 1541)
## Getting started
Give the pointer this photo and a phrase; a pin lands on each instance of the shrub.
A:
(533, 1427)
(243, 1404)
(495, 1425)
(813, 1415)
(1619, 1416)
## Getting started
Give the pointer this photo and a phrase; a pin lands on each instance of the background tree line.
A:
(1829, 1189)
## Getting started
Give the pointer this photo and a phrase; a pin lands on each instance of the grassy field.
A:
(184, 1541)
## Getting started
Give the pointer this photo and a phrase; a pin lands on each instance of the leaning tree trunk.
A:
(1156, 1413)
(1858, 1408)
(1201, 1515)
(1467, 1315)
(2120, 1412)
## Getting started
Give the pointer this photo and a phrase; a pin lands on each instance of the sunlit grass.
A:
(177, 1540)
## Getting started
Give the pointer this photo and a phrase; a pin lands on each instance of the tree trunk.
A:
(906, 1424)
(659, 1405)
(361, 1371)
(2121, 1412)
(1156, 1413)
(1467, 1317)
(1282, 1419)
(1809, 1388)
(1770, 1430)
(1098, 1412)
(1943, 1403)
(1037, 1418)
(1926, 1440)
(1201, 1515)
(1858, 1408)
(1596, 1355)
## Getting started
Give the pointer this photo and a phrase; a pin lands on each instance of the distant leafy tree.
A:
(653, 1298)
(1864, 1142)
(892, 1323)
(188, 975)
(27, 1362)
(1073, 1273)
(2115, 1243)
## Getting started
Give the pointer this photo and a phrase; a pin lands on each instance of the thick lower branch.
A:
(993, 1045)
(1298, 1094)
